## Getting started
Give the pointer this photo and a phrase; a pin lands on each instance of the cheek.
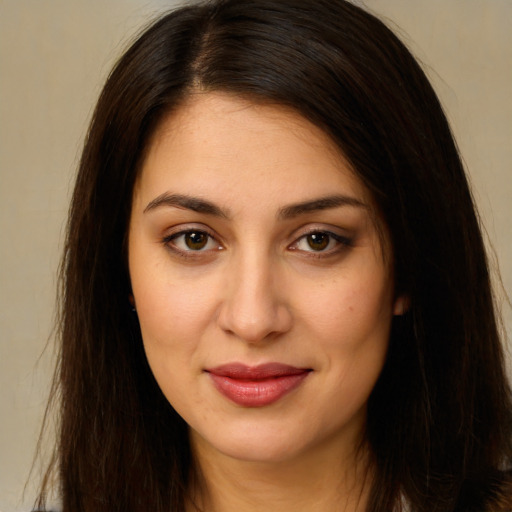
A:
(172, 321)
(352, 311)
(353, 328)
(175, 315)
(170, 328)
(350, 321)
(168, 309)
(168, 306)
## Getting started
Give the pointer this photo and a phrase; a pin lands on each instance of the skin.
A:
(259, 289)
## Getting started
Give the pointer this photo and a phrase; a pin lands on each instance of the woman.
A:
(269, 281)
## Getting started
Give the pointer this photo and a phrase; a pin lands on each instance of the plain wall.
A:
(54, 58)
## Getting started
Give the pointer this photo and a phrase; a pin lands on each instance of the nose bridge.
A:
(252, 309)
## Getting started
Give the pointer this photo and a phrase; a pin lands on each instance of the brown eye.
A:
(192, 242)
(196, 240)
(318, 241)
(323, 243)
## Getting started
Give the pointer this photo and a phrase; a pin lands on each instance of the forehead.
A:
(219, 140)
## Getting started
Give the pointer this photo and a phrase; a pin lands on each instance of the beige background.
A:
(54, 57)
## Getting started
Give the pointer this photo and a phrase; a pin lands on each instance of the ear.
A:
(131, 299)
(401, 305)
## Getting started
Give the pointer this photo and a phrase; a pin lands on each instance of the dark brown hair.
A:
(439, 423)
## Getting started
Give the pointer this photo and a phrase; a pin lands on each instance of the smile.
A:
(256, 386)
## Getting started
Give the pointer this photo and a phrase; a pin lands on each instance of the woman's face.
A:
(263, 290)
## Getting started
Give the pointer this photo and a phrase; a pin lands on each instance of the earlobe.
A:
(401, 305)
(131, 299)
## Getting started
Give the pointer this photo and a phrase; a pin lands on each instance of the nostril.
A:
(252, 309)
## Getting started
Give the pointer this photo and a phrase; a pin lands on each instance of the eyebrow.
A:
(199, 205)
(323, 203)
(186, 202)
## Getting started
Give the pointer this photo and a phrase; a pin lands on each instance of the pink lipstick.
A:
(256, 386)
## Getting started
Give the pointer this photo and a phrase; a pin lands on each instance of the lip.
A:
(256, 386)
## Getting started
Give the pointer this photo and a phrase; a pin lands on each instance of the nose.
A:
(254, 308)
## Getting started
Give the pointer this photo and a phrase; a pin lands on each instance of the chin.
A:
(256, 445)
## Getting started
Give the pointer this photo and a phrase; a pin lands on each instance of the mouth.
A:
(256, 386)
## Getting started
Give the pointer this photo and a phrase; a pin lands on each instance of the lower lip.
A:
(257, 392)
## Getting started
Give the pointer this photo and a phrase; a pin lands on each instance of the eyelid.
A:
(343, 241)
(182, 230)
(343, 234)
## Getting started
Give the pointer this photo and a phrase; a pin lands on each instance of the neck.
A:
(322, 479)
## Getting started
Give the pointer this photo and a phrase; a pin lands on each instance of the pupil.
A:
(318, 241)
(196, 241)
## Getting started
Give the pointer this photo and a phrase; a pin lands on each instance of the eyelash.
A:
(170, 243)
(341, 243)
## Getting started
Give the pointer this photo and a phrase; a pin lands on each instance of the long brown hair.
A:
(440, 421)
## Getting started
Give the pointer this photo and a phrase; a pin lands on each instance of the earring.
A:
(131, 300)
(402, 305)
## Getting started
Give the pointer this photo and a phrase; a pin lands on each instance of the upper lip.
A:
(261, 371)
